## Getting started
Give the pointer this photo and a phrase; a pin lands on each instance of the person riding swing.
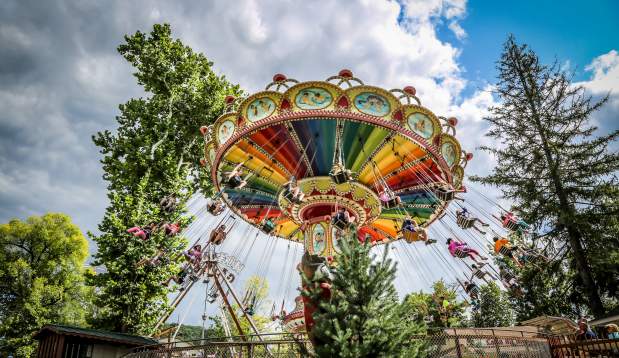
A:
(218, 235)
(268, 226)
(215, 207)
(235, 179)
(292, 191)
(462, 250)
(477, 272)
(466, 221)
(411, 232)
(342, 219)
(503, 246)
(388, 199)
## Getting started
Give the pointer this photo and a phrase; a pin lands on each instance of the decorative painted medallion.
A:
(421, 124)
(211, 154)
(319, 239)
(260, 108)
(335, 240)
(225, 131)
(372, 104)
(313, 98)
(449, 152)
(458, 175)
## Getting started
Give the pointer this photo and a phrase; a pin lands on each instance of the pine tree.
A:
(552, 167)
(154, 153)
(495, 310)
(363, 317)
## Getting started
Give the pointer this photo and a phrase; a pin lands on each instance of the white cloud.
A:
(605, 81)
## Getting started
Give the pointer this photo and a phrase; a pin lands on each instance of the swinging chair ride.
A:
(312, 161)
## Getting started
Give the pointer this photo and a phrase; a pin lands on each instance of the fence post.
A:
(458, 351)
(496, 344)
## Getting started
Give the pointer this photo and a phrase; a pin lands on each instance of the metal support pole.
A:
(227, 303)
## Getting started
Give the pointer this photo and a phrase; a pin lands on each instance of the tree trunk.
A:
(567, 212)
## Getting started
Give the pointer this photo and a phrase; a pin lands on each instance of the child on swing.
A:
(462, 250)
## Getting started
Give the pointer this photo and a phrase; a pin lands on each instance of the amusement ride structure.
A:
(314, 162)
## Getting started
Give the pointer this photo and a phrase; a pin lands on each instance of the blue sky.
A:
(61, 79)
(570, 30)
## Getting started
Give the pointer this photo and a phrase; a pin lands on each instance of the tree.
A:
(154, 153)
(440, 309)
(41, 278)
(558, 174)
(363, 317)
(495, 310)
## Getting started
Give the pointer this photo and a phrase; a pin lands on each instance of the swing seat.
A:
(215, 209)
(411, 236)
(511, 225)
(235, 181)
(218, 238)
(287, 194)
(268, 227)
(392, 202)
(445, 195)
(340, 176)
(506, 250)
(339, 223)
(459, 253)
(464, 222)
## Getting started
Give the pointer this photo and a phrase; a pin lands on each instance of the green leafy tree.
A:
(41, 278)
(363, 318)
(560, 177)
(439, 309)
(154, 153)
(495, 309)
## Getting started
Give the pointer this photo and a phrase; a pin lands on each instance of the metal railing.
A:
(287, 345)
(566, 346)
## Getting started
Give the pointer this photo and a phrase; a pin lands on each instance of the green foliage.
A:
(41, 278)
(194, 333)
(440, 309)
(495, 309)
(561, 179)
(363, 318)
(154, 153)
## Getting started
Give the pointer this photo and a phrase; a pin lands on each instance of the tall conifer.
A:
(557, 173)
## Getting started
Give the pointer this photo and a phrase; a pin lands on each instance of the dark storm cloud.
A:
(54, 96)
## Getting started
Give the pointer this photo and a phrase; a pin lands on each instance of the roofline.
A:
(58, 329)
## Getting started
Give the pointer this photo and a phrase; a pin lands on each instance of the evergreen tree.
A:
(363, 318)
(154, 153)
(556, 172)
(495, 310)
(41, 279)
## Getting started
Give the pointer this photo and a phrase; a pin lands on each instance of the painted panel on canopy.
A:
(259, 214)
(387, 161)
(360, 140)
(321, 147)
(391, 163)
(375, 138)
(408, 174)
(258, 155)
(277, 142)
(421, 214)
(386, 225)
(236, 155)
(244, 197)
(420, 198)
(286, 227)
(367, 230)
(424, 172)
(254, 182)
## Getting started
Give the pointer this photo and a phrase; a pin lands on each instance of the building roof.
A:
(554, 325)
(104, 336)
(605, 320)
